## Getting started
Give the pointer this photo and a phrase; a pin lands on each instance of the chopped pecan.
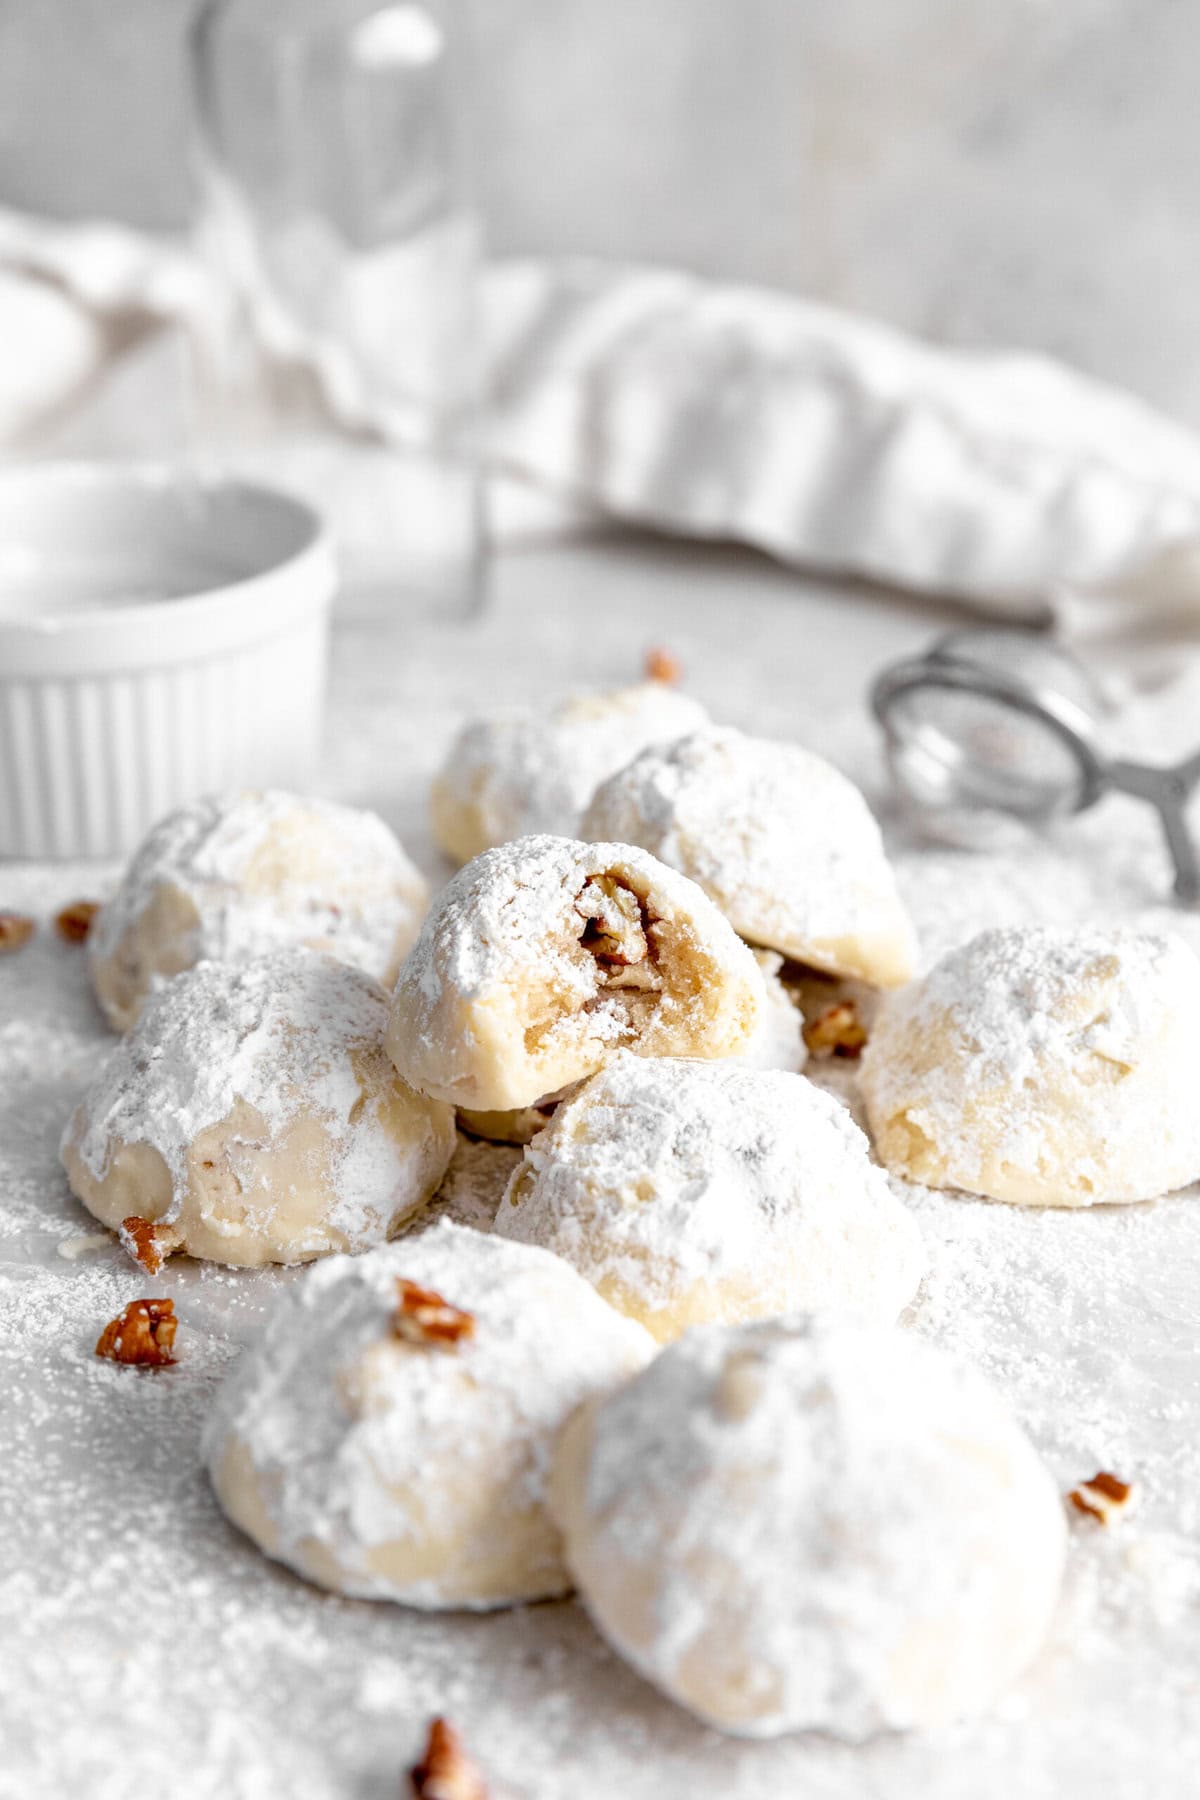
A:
(1104, 1498)
(15, 929)
(837, 1031)
(75, 921)
(446, 1772)
(423, 1317)
(661, 665)
(616, 927)
(147, 1243)
(144, 1333)
(612, 917)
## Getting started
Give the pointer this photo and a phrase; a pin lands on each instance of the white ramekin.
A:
(162, 635)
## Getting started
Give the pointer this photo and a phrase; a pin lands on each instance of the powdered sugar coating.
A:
(400, 1471)
(777, 837)
(232, 876)
(519, 774)
(1085, 1318)
(778, 1040)
(791, 1526)
(1049, 1067)
(501, 1001)
(692, 1191)
(254, 1111)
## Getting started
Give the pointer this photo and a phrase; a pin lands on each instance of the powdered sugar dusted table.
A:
(146, 1647)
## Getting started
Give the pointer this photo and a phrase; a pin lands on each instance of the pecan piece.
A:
(616, 928)
(837, 1031)
(445, 1771)
(143, 1333)
(1104, 1498)
(660, 665)
(75, 921)
(423, 1317)
(16, 929)
(148, 1244)
(612, 916)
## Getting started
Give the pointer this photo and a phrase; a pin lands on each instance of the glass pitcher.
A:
(337, 209)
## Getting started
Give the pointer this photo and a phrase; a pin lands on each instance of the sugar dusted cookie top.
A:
(516, 774)
(252, 1115)
(692, 1191)
(544, 957)
(233, 876)
(1047, 1067)
(777, 837)
(390, 1434)
(801, 1526)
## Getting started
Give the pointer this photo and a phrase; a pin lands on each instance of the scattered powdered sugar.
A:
(1048, 1064)
(267, 870)
(691, 1190)
(825, 1526)
(474, 1183)
(778, 837)
(362, 1443)
(148, 1644)
(526, 773)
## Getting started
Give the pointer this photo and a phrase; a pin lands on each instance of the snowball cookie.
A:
(508, 1127)
(1045, 1067)
(795, 1526)
(778, 1040)
(543, 957)
(691, 1191)
(238, 875)
(253, 1116)
(391, 1433)
(777, 837)
(520, 773)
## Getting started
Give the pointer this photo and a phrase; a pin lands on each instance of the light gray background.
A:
(1018, 173)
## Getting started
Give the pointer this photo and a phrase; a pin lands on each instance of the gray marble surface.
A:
(146, 1648)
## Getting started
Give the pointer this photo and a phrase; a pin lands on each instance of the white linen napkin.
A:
(1008, 481)
(835, 442)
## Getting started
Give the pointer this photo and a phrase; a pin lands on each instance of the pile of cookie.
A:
(671, 1375)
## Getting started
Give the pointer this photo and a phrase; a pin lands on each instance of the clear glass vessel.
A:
(337, 208)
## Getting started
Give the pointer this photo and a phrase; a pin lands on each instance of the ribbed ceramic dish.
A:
(161, 636)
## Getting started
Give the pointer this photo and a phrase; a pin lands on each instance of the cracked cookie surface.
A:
(777, 837)
(543, 958)
(1046, 1067)
(253, 1116)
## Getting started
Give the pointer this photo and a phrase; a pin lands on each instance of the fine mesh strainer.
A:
(992, 731)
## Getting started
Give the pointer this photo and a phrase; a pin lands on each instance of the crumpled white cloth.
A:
(835, 442)
(1008, 481)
